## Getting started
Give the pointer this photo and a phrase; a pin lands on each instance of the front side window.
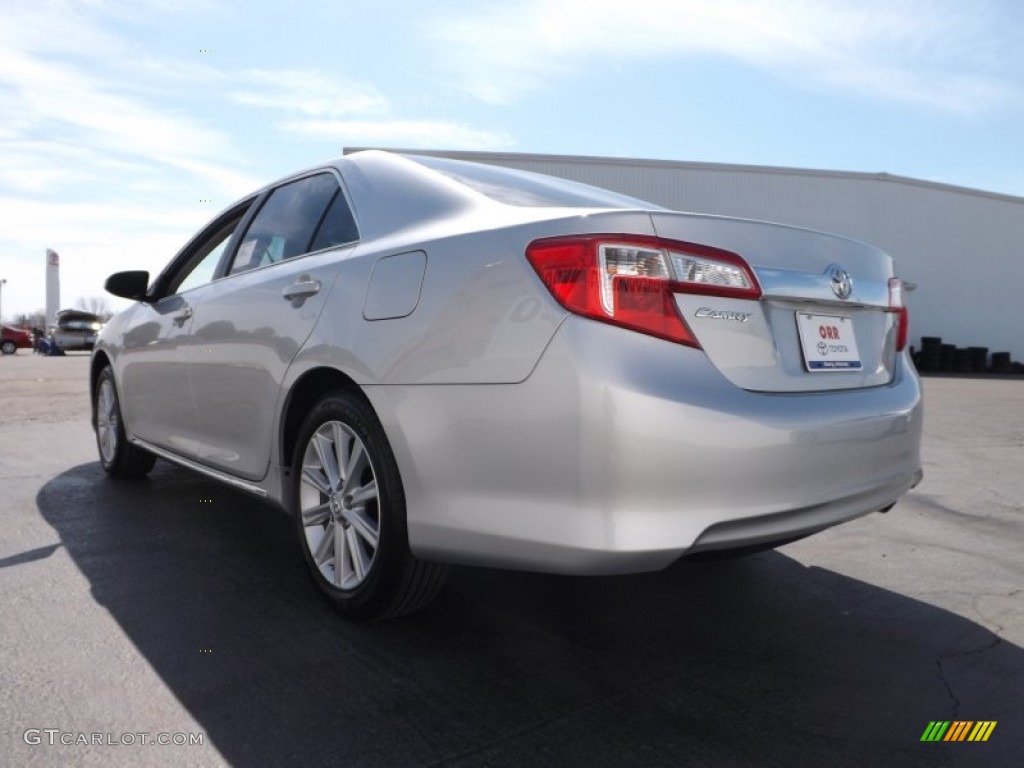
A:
(287, 222)
(202, 273)
(202, 265)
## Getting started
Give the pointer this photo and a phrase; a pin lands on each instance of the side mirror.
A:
(128, 285)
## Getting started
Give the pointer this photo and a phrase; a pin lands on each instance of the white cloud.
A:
(52, 98)
(58, 27)
(32, 221)
(406, 133)
(59, 97)
(80, 125)
(36, 166)
(934, 52)
(308, 92)
(338, 109)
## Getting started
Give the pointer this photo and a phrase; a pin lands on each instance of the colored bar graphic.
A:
(958, 730)
(935, 730)
(982, 730)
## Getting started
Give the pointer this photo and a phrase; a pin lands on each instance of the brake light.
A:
(897, 306)
(629, 280)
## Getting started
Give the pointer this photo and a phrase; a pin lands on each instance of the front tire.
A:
(349, 507)
(118, 457)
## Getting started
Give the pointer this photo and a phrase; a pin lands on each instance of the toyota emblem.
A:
(842, 283)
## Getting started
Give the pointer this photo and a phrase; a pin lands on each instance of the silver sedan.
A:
(428, 361)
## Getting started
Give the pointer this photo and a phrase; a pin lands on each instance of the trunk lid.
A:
(823, 321)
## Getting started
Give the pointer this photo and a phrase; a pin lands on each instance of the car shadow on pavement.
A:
(745, 662)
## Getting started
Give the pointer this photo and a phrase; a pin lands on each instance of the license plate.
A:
(828, 342)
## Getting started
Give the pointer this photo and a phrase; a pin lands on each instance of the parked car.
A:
(76, 330)
(14, 339)
(429, 361)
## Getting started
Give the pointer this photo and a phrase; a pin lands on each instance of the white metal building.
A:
(963, 248)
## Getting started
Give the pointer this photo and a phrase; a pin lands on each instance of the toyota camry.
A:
(426, 361)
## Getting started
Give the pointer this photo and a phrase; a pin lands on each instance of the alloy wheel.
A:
(107, 420)
(339, 505)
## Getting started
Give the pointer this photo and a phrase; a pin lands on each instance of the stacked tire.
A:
(936, 357)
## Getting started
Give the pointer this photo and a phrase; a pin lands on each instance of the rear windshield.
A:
(515, 187)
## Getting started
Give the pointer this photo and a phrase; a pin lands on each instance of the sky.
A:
(125, 125)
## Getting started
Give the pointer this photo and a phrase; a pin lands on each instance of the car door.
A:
(250, 324)
(153, 367)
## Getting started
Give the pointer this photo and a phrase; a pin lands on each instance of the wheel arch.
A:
(304, 394)
(99, 361)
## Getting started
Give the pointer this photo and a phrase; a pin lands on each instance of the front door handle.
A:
(180, 317)
(302, 288)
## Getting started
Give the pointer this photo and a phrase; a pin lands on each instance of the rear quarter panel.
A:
(483, 316)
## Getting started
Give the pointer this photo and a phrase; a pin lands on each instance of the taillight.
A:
(629, 280)
(897, 306)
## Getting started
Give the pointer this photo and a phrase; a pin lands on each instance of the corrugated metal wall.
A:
(963, 248)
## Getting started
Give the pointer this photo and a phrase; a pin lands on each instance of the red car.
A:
(15, 338)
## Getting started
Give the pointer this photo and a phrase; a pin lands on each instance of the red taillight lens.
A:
(904, 328)
(629, 280)
(903, 318)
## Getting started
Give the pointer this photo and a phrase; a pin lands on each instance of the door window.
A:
(202, 272)
(202, 265)
(286, 224)
(338, 226)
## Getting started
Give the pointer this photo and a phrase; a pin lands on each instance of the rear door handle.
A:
(301, 289)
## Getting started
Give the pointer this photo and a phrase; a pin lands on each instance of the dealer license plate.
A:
(828, 343)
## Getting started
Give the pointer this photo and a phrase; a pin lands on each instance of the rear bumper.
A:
(623, 453)
(72, 341)
(792, 524)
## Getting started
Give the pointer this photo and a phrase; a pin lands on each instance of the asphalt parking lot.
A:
(177, 606)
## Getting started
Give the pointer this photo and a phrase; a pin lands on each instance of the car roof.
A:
(393, 192)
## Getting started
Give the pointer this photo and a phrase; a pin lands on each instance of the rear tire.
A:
(119, 458)
(349, 509)
(8, 348)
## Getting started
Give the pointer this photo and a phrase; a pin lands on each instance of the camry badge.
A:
(722, 314)
(842, 283)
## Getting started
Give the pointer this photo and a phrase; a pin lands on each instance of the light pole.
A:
(2, 281)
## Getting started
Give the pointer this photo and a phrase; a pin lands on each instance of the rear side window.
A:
(288, 221)
(338, 225)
